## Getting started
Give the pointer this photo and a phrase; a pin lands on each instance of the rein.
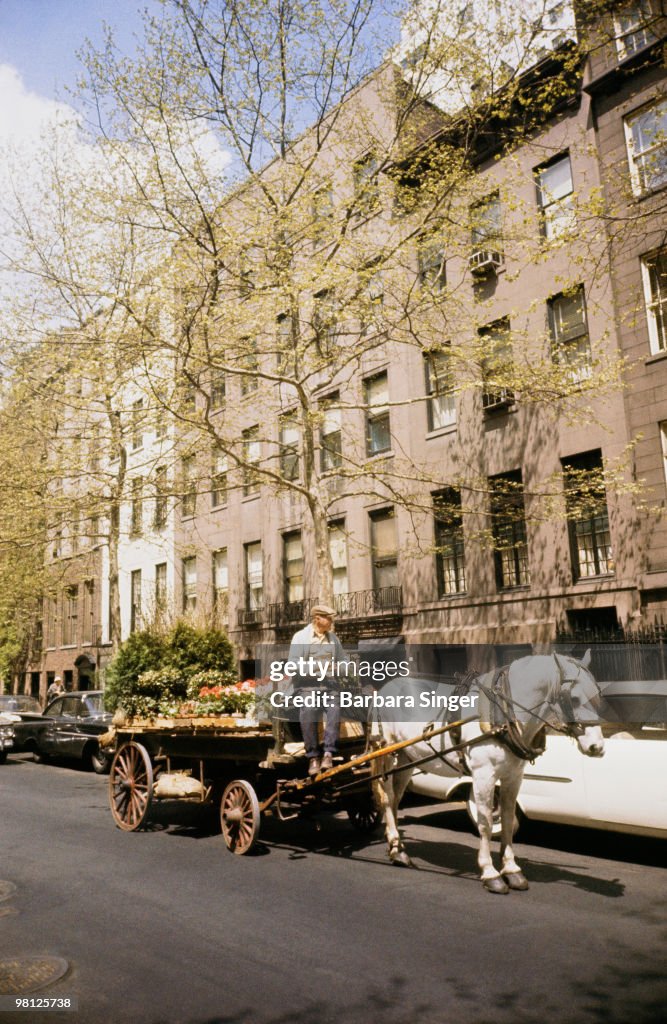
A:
(501, 699)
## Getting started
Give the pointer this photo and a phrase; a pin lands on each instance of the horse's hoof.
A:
(495, 885)
(516, 880)
(400, 859)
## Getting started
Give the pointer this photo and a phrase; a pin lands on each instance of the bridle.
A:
(562, 699)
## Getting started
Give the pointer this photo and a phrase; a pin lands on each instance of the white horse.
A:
(539, 689)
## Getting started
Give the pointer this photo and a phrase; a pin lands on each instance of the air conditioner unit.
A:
(485, 261)
(496, 400)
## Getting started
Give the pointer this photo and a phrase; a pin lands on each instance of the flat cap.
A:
(322, 609)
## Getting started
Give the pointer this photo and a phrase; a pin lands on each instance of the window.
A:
(254, 576)
(431, 263)
(631, 27)
(331, 452)
(654, 273)
(94, 447)
(189, 486)
(161, 587)
(248, 360)
(137, 437)
(646, 134)
(51, 622)
(285, 343)
(569, 334)
(75, 532)
(555, 196)
(663, 440)
(486, 224)
(289, 447)
(323, 212)
(71, 616)
(449, 551)
(588, 519)
(338, 551)
(293, 566)
(221, 585)
(378, 429)
(366, 186)
(251, 454)
(218, 391)
(441, 405)
(496, 366)
(325, 325)
(384, 551)
(135, 600)
(509, 530)
(58, 535)
(219, 468)
(160, 422)
(88, 624)
(189, 576)
(137, 506)
(372, 302)
(160, 508)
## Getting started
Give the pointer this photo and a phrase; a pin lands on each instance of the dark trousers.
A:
(309, 717)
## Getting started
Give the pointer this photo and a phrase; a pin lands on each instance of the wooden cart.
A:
(248, 770)
(245, 767)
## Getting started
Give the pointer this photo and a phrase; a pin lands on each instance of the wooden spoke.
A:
(365, 816)
(239, 816)
(131, 786)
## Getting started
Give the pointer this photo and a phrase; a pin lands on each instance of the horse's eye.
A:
(576, 701)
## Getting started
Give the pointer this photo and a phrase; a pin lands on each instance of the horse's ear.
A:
(586, 660)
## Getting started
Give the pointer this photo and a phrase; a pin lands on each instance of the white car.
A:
(625, 791)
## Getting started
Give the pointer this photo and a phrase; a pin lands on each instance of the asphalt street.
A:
(167, 927)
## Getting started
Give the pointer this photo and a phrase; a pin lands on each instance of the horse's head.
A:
(578, 698)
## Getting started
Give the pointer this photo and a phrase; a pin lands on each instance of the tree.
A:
(275, 212)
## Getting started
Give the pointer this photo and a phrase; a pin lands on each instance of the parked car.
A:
(624, 791)
(73, 723)
(25, 714)
(6, 737)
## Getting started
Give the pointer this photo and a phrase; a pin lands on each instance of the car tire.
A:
(98, 761)
(3, 757)
(39, 757)
(471, 808)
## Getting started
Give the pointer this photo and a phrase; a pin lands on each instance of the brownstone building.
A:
(492, 499)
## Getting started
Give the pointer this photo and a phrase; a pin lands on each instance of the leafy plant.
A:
(153, 669)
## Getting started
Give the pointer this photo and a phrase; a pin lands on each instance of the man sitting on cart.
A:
(319, 642)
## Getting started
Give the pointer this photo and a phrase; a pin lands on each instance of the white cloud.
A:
(24, 115)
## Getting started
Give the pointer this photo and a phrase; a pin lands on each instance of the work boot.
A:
(314, 766)
(327, 762)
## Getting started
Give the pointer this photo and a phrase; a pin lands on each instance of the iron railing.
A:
(355, 605)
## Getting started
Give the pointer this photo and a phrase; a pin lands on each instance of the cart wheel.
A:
(365, 817)
(239, 816)
(131, 786)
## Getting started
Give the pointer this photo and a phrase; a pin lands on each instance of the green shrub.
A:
(141, 652)
(194, 650)
(151, 668)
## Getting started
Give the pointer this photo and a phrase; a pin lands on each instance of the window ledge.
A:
(388, 454)
(250, 497)
(656, 357)
(450, 429)
(603, 577)
(519, 588)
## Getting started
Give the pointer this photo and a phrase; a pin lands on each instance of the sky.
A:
(40, 37)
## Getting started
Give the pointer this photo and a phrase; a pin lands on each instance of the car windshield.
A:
(94, 704)
(19, 702)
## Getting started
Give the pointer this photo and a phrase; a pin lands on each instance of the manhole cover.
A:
(24, 974)
(7, 889)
